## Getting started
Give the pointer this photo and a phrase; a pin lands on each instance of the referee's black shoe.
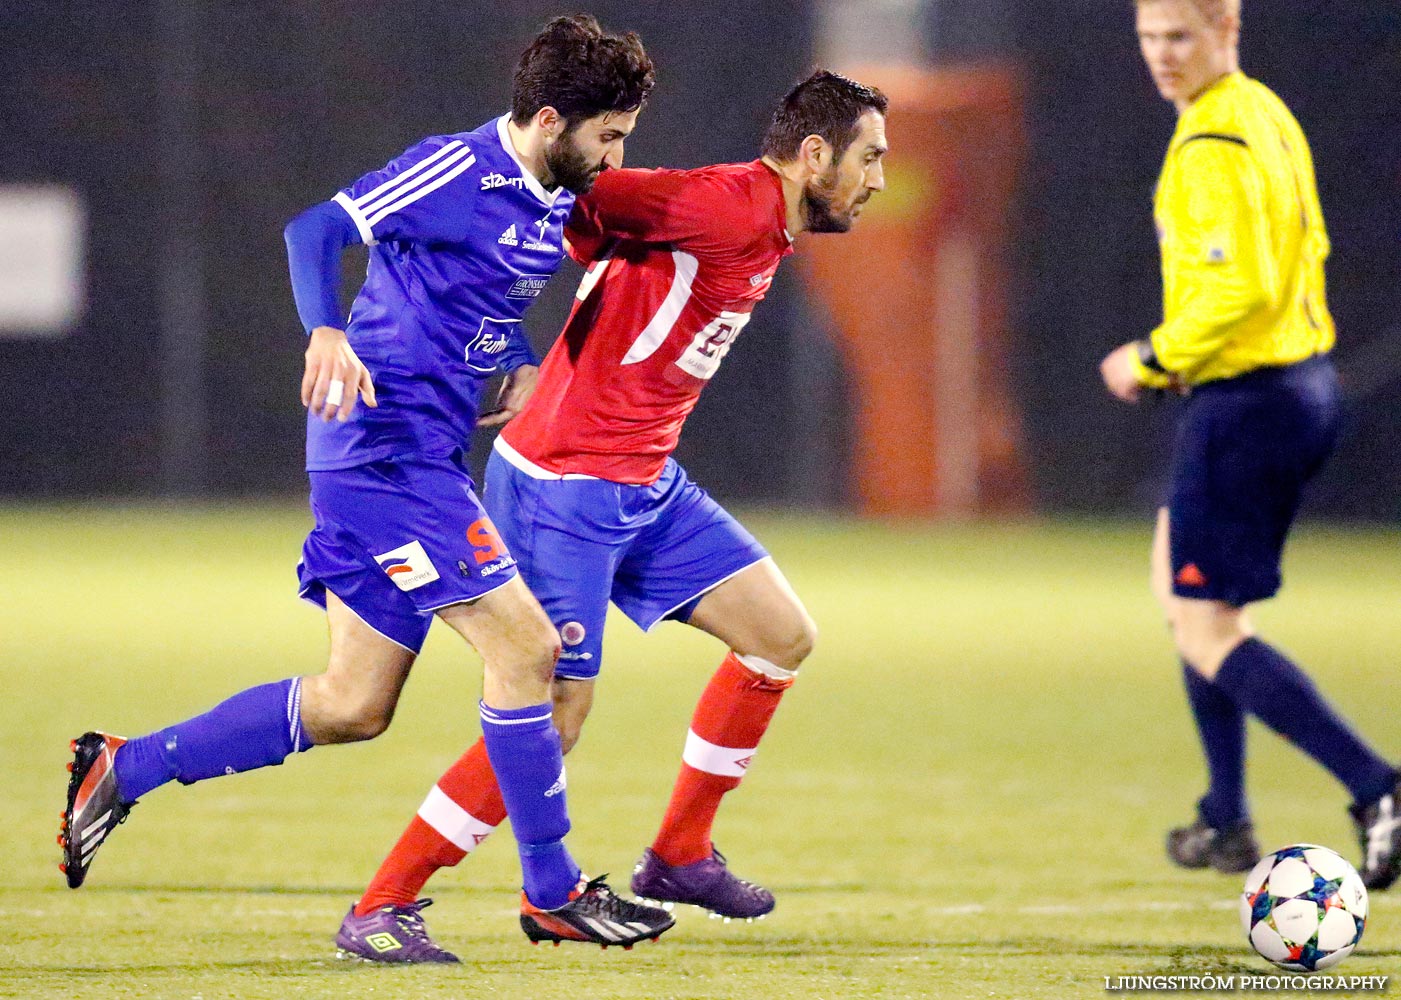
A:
(1379, 833)
(1200, 845)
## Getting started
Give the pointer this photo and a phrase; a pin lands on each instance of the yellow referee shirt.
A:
(1242, 238)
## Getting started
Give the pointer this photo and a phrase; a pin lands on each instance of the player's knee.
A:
(533, 656)
(1204, 636)
(796, 642)
(345, 716)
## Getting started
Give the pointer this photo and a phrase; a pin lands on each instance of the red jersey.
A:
(679, 260)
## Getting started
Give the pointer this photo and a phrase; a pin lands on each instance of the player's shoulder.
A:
(742, 179)
(480, 144)
(1215, 131)
(747, 196)
(1238, 110)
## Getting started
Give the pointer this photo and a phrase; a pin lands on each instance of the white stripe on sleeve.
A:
(370, 207)
(409, 199)
(356, 216)
(369, 196)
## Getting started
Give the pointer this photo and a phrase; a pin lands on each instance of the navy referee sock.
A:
(1221, 725)
(1264, 682)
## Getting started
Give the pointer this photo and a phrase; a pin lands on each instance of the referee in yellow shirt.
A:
(1245, 336)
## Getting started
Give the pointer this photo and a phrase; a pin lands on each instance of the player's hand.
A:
(334, 377)
(515, 390)
(1119, 369)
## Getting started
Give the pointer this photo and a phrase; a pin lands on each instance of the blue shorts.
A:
(1246, 447)
(653, 550)
(397, 540)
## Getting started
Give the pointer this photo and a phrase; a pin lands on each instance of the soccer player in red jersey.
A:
(583, 489)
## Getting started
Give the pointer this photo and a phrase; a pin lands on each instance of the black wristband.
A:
(1147, 357)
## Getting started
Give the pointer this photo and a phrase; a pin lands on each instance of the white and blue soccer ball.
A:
(1304, 908)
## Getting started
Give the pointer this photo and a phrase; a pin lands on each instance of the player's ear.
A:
(815, 153)
(551, 122)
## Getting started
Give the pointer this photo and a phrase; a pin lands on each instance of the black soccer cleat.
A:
(1231, 850)
(595, 915)
(1379, 833)
(94, 808)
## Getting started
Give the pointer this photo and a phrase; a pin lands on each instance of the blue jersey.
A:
(462, 239)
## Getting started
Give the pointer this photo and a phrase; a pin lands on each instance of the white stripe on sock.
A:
(724, 761)
(452, 821)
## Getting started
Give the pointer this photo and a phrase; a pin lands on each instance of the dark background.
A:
(291, 100)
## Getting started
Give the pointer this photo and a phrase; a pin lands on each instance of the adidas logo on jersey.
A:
(509, 237)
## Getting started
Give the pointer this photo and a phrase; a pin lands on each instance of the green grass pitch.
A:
(964, 796)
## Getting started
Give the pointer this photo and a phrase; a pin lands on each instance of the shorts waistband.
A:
(1267, 374)
(530, 468)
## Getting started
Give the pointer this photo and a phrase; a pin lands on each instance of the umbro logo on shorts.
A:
(408, 566)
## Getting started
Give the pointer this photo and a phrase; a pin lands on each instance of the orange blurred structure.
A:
(917, 293)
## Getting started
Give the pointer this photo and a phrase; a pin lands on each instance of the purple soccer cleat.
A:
(394, 934)
(707, 883)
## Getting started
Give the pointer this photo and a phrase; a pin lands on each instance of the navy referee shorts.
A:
(1246, 447)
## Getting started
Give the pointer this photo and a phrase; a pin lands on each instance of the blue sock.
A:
(1221, 725)
(524, 750)
(1262, 681)
(255, 728)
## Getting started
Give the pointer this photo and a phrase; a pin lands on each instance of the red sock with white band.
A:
(725, 731)
(459, 813)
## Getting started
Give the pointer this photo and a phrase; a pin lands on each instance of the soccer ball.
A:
(1303, 908)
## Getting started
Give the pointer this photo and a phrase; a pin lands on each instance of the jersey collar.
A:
(531, 181)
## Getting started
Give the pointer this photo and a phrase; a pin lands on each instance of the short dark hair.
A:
(573, 67)
(826, 104)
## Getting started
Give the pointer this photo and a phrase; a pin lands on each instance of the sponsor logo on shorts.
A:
(1191, 576)
(572, 633)
(574, 654)
(408, 566)
(505, 562)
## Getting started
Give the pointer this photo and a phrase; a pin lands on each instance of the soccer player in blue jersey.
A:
(1246, 335)
(463, 230)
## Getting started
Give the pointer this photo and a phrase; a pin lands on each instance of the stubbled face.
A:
(832, 200)
(581, 152)
(1184, 51)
